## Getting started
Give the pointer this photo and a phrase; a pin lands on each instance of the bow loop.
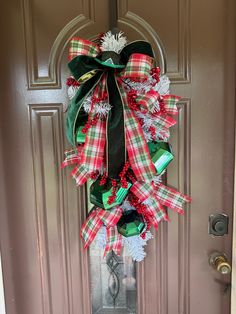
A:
(138, 66)
(110, 218)
(97, 218)
(88, 65)
(79, 47)
(83, 68)
(149, 100)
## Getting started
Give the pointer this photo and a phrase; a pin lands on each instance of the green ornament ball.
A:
(130, 224)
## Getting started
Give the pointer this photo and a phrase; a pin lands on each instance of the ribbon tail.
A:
(110, 218)
(142, 190)
(80, 174)
(71, 158)
(170, 102)
(115, 129)
(93, 152)
(114, 241)
(114, 238)
(172, 198)
(156, 211)
(90, 228)
(137, 148)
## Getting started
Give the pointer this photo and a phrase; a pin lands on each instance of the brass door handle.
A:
(220, 263)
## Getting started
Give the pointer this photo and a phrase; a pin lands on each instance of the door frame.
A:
(233, 279)
(2, 297)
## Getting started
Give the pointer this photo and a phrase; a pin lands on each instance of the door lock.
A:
(218, 224)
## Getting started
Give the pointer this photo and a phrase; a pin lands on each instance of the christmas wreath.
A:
(118, 123)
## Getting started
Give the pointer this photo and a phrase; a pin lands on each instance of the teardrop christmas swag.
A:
(118, 122)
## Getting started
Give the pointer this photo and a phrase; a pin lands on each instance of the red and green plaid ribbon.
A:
(170, 102)
(114, 241)
(138, 152)
(159, 196)
(73, 157)
(93, 152)
(141, 190)
(80, 174)
(171, 198)
(148, 100)
(138, 66)
(79, 46)
(155, 211)
(164, 122)
(96, 220)
(87, 157)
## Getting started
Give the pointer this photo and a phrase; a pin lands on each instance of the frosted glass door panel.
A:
(113, 282)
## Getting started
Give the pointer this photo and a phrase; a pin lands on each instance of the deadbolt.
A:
(218, 224)
(220, 263)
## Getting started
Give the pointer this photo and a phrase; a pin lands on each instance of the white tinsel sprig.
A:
(113, 42)
(87, 103)
(101, 108)
(135, 246)
(101, 238)
(72, 90)
(158, 179)
(162, 87)
(148, 121)
(127, 206)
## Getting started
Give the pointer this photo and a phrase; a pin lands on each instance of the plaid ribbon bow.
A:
(97, 218)
(90, 67)
(73, 157)
(155, 196)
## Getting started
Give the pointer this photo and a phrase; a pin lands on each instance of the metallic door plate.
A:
(218, 224)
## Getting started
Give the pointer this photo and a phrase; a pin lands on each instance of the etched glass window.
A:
(113, 282)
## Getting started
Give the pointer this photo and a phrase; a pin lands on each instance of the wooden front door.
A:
(46, 270)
